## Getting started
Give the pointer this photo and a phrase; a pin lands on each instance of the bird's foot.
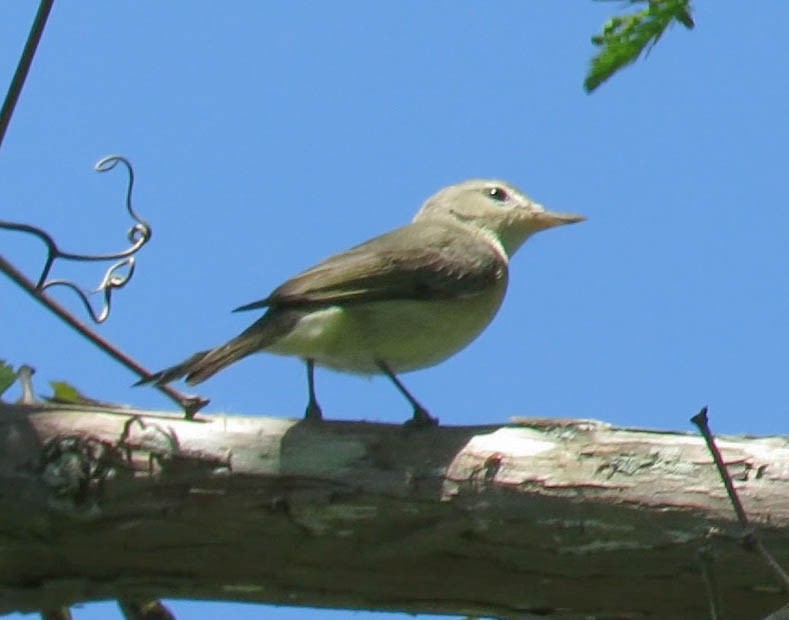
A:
(313, 413)
(421, 419)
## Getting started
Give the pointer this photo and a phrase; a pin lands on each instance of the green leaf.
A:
(65, 393)
(7, 376)
(626, 37)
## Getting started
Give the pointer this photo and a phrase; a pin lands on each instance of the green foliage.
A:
(7, 376)
(625, 37)
(66, 394)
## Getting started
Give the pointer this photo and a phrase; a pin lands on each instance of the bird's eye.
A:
(498, 194)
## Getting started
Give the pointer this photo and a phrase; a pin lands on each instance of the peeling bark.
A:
(554, 518)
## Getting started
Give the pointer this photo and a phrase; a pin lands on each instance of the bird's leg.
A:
(421, 417)
(313, 411)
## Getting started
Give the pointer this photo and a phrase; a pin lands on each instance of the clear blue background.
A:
(266, 136)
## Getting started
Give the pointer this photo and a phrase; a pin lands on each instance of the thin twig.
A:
(702, 423)
(750, 537)
(190, 404)
(20, 75)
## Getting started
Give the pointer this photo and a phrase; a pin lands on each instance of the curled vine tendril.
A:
(118, 274)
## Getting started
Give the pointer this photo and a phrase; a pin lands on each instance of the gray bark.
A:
(543, 518)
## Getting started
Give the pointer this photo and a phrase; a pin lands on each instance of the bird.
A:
(402, 301)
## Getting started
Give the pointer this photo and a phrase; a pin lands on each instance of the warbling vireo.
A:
(406, 300)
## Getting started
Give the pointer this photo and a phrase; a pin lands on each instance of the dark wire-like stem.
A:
(22, 69)
(750, 537)
(190, 404)
(702, 423)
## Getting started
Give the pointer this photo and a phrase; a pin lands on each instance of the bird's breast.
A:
(406, 334)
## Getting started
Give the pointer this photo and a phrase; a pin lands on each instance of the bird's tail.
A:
(205, 364)
(196, 369)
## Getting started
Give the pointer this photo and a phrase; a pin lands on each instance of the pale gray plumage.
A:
(405, 300)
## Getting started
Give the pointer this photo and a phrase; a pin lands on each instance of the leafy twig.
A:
(626, 37)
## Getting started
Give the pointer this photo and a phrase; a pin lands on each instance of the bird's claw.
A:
(421, 419)
(313, 413)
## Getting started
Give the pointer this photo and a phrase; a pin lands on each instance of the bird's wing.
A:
(423, 260)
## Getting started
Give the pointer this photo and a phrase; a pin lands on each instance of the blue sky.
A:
(267, 136)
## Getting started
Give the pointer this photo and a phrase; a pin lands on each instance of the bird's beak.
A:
(549, 219)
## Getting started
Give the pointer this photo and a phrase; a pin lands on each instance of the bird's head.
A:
(495, 208)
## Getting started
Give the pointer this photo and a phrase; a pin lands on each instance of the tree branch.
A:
(562, 519)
